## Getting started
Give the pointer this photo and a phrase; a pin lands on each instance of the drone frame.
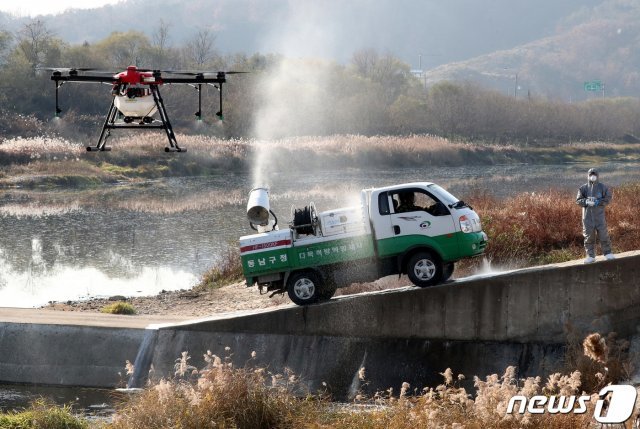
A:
(153, 79)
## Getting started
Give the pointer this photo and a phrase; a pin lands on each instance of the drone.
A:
(136, 98)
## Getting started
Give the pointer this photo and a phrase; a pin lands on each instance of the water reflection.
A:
(140, 239)
(93, 403)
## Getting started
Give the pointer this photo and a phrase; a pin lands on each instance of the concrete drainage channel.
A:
(476, 326)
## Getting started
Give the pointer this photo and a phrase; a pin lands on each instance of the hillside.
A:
(441, 31)
(593, 44)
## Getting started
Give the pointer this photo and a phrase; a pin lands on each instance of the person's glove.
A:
(590, 202)
(596, 203)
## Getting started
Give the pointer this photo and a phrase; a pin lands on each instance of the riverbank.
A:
(200, 302)
(44, 162)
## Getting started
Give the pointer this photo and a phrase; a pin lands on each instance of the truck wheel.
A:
(327, 291)
(447, 271)
(424, 269)
(304, 287)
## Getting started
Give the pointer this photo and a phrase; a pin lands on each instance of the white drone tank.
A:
(136, 102)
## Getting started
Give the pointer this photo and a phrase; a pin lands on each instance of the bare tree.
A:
(365, 61)
(200, 47)
(160, 39)
(5, 41)
(34, 40)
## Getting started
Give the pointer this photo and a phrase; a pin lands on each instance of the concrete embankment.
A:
(476, 326)
(69, 348)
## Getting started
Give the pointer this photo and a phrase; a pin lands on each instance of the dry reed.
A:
(221, 395)
(142, 155)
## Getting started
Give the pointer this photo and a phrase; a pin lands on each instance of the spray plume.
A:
(293, 96)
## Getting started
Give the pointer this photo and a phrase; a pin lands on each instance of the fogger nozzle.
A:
(258, 206)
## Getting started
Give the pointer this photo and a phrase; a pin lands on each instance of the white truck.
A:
(418, 229)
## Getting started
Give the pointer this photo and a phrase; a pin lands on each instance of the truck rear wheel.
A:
(447, 271)
(304, 287)
(327, 290)
(424, 269)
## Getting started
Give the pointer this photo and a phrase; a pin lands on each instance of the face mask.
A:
(593, 178)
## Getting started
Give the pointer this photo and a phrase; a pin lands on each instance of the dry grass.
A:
(119, 307)
(221, 395)
(227, 270)
(198, 201)
(43, 415)
(602, 359)
(142, 155)
(218, 396)
(451, 406)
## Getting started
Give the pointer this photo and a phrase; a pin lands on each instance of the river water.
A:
(59, 244)
(95, 404)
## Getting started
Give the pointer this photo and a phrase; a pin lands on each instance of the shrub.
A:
(600, 359)
(228, 269)
(42, 415)
(218, 396)
(119, 307)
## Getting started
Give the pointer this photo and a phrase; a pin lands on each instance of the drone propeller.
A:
(74, 69)
(201, 73)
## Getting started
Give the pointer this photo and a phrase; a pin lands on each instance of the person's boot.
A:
(609, 256)
(589, 260)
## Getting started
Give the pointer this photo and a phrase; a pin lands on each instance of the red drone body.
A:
(133, 77)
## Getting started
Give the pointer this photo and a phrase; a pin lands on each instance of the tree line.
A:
(373, 94)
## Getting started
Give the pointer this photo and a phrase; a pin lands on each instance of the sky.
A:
(44, 7)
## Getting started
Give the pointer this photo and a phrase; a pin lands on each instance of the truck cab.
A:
(425, 229)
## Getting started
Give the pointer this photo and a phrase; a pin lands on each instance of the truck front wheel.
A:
(304, 287)
(424, 269)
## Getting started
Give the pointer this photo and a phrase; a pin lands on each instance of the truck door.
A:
(416, 218)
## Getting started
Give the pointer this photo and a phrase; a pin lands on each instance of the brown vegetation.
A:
(42, 414)
(45, 161)
(120, 307)
(218, 396)
(601, 359)
(222, 395)
(227, 270)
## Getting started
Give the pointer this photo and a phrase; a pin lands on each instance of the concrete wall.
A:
(65, 354)
(332, 362)
(476, 327)
(523, 306)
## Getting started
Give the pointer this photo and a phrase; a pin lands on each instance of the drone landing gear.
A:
(146, 123)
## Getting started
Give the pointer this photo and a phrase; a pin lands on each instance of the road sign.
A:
(594, 85)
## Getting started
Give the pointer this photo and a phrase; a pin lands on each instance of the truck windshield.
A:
(445, 196)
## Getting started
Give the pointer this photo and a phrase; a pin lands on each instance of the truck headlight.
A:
(465, 224)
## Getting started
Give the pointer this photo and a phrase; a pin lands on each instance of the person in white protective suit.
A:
(593, 197)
